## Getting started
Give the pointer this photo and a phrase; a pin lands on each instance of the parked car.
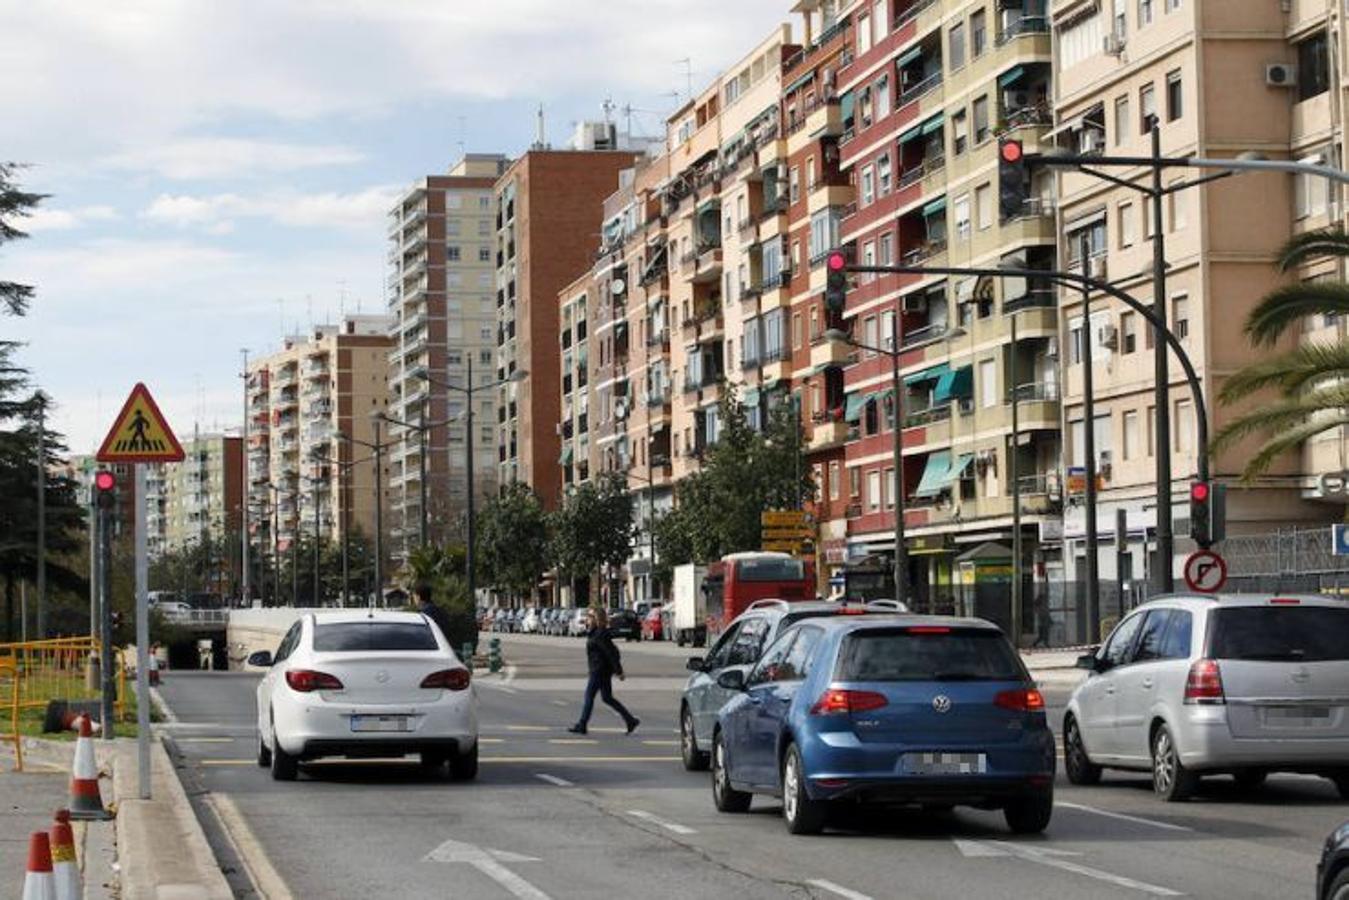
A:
(529, 623)
(623, 623)
(1332, 872)
(893, 709)
(740, 645)
(576, 626)
(365, 684)
(499, 618)
(1239, 684)
(652, 629)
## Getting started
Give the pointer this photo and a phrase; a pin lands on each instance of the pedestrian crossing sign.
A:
(140, 434)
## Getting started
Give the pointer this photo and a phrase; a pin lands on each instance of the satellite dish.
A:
(617, 286)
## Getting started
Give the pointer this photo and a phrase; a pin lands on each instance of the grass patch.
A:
(30, 722)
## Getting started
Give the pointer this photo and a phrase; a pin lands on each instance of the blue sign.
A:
(1339, 539)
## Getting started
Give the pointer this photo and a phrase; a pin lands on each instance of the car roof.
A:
(367, 615)
(1213, 601)
(899, 620)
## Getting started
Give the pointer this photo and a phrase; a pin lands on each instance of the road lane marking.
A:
(661, 743)
(1110, 814)
(976, 849)
(1052, 857)
(673, 827)
(561, 703)
(576, 759)
(248, 849)
(572, 741)
(204, 740)
(839, 889)
(527, 728)
(553, 779)
(227, 762)
(483, 740)
(489, 863)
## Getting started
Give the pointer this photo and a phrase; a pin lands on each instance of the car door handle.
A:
(1110, 689)
(1147, 684)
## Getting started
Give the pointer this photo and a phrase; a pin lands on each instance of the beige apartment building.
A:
(302, 401)
(200, 499)
(440, 293)
(1219, 79)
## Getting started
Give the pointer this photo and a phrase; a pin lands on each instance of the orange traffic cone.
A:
(39, 884)
(85, 801)
(65, 870)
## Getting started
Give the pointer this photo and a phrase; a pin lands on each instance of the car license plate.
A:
(1304, 716)
(943, 764)
(379, 723)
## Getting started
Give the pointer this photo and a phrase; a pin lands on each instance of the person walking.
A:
(428, 607)
(604, 663)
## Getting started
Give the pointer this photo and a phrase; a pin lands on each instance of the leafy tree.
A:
(444, 570)
(592, 529)
(1313, 395)
(513, 540)
(15, 203)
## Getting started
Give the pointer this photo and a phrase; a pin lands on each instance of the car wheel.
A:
(1250, 779)
(1342, 784)
(284, 766)
(1170, 779)
(726, 798)
(802, 814)
(1339, 888)
(1030, 814)
(464, 766)
(679, 639)
(1076, 762)
(695, 760)
(264, 753)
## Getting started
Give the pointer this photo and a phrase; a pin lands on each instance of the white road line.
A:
(204, 740)
(674, 827)
(561, 703)
(1109, 814)
(508, 879)
(158, 700)
(837, 889)
(1053, 857)
(252, 856)
(572, 741)
(553, 779)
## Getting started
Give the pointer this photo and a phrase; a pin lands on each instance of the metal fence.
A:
(9, 710)
(55, 669)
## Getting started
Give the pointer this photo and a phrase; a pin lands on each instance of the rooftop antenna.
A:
(341, 298)
(463, 134)
(608, 106)
(687, 63)
(539, 131)
(309, 309)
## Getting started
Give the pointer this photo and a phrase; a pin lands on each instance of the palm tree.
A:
(1312, 379)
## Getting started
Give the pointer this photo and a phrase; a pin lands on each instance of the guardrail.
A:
(196, 616)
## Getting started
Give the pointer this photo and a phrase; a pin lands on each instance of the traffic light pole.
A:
(105, 600)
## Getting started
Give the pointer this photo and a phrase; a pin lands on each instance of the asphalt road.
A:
(615, 816)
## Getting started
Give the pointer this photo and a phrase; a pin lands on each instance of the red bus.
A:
(741, 578)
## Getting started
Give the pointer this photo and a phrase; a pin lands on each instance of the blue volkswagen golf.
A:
(908, 710)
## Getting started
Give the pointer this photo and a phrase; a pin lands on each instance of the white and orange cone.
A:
(39, 883)
(85, 801)
(65, 868)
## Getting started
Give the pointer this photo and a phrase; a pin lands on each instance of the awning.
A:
(846, 106)
(936, 206)
(932, 124)
(565, 458)
(1011, 76)
(912, 134)
(954, 383)
(942, 392)
(769, 384)
(915, 53)
(751, 397)
(958, 470)
(800, 82)
(852, 412)
(936, 475)
(708, 204)
(931, 374)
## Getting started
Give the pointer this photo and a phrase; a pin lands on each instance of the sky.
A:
(219, 173)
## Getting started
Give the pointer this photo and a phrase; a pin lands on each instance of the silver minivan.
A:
(1239, 684)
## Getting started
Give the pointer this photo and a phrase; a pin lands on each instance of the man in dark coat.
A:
(604, 662)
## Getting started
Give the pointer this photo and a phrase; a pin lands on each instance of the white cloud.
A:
(52, 219)
(220, 157)
(361, 209)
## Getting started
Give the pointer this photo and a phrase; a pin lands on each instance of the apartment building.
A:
(1120, 68)
(440, 291)
(302, 400)
(549, 205)
(201, 497)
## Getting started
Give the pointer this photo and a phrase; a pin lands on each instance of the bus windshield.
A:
(770, 570)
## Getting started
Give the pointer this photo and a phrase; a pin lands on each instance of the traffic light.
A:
(836, 283)
(105, 489)
(1013, 179)
(1208, 512)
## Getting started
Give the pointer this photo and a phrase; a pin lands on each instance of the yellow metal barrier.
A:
(55, 670)
(9, 697)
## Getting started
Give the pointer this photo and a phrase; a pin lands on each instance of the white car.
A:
(530, 623)
(1239, 684)
(576, 623)
(362, 684)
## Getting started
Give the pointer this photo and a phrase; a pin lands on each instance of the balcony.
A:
(1015, 27)
(920, 88)
(911, 12)
(922, 169)
(925, 251)
(831, 432)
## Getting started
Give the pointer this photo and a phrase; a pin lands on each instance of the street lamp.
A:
(341, 507)
(379, 446)
(468, 391)
(897, 447)
(423, 431)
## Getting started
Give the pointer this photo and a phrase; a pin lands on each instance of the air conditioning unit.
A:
(915, 303)
(1096, 267)
(1107, 336)
(1052, 348)
(1015, 100)
(1091, 140)
(1113, 45)
(1280, 74)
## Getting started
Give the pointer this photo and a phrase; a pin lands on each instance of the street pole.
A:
(421, 468)
(41, 517)
(109, 675)
(1089, 451)
(897, 434)
(1162, 391)
(94, 522)
(379, 516)
(142, 638)
(317, 596)
(276, 544)
(342, 503)
(796, 448)
(1014, 472)
(243, 526)
(468, 470)
(295, 543)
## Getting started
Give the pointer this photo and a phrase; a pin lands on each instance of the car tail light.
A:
(447, 679)
(838, 702)
(307, 680)
(929, 629)
(1020, 700)
(1285, 601)
(852, 611)
(1205, 684)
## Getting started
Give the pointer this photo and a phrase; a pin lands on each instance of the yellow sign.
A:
(140, 434)
(788, 518)
(797, 548)
(787, 534)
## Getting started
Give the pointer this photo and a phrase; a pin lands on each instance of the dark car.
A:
(1332, 873)
(623, 623)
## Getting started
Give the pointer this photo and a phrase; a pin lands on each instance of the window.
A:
(960, 131)
(898, 654)
(1147, 107)
(1175, 206)
(748, 643)
(796, 331)
(1081, 39)
(1075, 342)
(1126, 225)
(1180, 316)
(983, 206)
(887, 335)
(1128, 332)
(1121, 118)
(1171, 6)
(1313, 67)
(1119, 648)
(1154, 631)
(1175, 96)
(794, 184)
(484, 254)
(342, 637)
(1183, 423)
(978, 33)
(452, 226)
(879, 20)
(869, 335)
(452, 253)
(981, 119)
(883, 170)
(882, 97)
(1176, 641)
(1129, 447)
(1310, 192)
(1144, 12)
(868, 186)
(961, 209)
(863, 34)
(887, 249)
(797, 664)
(988, 383)
(1151, 422)
(888, 487)
(874, 490)
(834, 486)
(956, 41)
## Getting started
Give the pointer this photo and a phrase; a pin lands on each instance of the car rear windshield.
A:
(770, 570)
(1281, 633)
(919, 655)
(356, 636)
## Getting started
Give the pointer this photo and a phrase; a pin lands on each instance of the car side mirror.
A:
(732, 680)
(1090, 662)
(695, 664)
(262, 659)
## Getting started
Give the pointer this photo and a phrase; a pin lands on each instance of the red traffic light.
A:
(837, 262)
(105, 480)
(1011, 151)
(1199, 491)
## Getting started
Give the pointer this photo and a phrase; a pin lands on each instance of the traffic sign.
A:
(787, 534)
(796, 548)
(140, 433)
(783, 518)
(1339, 540)
(1205, 572)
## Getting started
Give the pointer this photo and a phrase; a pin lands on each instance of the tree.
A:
(443, 570)
(1313, 395)
(513, 540)
(592, 529)
(15, 204)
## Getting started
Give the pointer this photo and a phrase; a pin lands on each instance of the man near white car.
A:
(604, 662)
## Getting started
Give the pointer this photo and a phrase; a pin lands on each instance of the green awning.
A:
(912, 134)
(936, 206)
(931, 374)
(937, 474)
(708, 204)
(852, 412)
(800, 82)
(954, 383)
(565, 458)
(1010, 77)
(958, 470)
(769, 384)
(915, 53)
(932, 124)
(846, 106)
(751, 397)
(942, 392)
